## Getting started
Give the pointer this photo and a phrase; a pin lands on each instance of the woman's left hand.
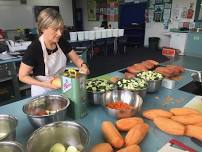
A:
(84, 69)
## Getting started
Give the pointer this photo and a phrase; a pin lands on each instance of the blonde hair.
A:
(49, 18)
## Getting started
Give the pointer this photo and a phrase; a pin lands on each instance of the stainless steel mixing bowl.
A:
(154, 85)
(126, 97)
(64, 132)
(10, 146)
(8, 126)
(36, 109)
(94, 97)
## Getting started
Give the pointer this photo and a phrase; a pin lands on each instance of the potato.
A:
(136, 134)
(58, 147)
(183, 111)
(194, 131)
(131, 148)
(126, 124)
(169, 126)
(57, 82)
(188, 119)
(152, 113)
(102, 147)
(112, 135)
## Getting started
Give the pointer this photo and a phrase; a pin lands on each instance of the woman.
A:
(46, 56)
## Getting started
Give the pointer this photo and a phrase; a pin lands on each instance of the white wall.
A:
(14, 15)
(88, 25)
(157, 30)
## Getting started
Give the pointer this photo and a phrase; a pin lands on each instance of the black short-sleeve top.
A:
(34, 55)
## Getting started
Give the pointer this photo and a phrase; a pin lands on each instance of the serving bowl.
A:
(95, 88)
(68, 133)
(8, 126)
(135, 85)
(43, 110)
(122, 97)
(11, 146)
(154, 85)
(153, 78)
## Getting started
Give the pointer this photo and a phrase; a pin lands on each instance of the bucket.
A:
(104, 33)
(98, 34)
(86, 35)
(80, 36)
(73, 36)
(109, 32)
(154, 43)
(115, 32)
(91, 35)
(121, 32)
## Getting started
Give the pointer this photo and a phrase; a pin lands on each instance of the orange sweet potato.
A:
(126, 124)
(194, 131)
(102, 147)
(131, 148)
(188, 119)
(136, 134)
(112, 134)
(152, 113)
(198, 124)
(169, 126)
(183, 111)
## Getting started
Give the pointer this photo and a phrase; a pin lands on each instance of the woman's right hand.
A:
(49, 84)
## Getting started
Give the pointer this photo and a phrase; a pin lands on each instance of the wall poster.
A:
(91, 8)
(156, 10)
(99, 10)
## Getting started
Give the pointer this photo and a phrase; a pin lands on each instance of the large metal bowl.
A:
(8, 126)
(64, 132)
(10, 146)
(125, 96)
(154, 85)
(94, 97)
(36, 107)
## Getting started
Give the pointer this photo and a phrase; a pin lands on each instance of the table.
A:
(152, 142)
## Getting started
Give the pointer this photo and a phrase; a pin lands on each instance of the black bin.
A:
(154, 43)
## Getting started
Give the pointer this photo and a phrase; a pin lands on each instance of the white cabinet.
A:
(178, 41)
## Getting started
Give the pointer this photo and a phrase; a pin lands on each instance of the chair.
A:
(88, 45)
(122, 41)
(82, 52)
(109, 45)
(98, 46)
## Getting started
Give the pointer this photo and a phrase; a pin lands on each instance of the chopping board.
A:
(195, 103)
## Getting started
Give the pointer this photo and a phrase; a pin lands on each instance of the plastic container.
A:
(86, 35)
(98, 34)
(109, 32)
(115, 32)
(73, 36)
(80, 36)
(104, 33)
(154, 42)
(121, 32)
(91, 35)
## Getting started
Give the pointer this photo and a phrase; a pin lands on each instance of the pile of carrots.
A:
(119, 105)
